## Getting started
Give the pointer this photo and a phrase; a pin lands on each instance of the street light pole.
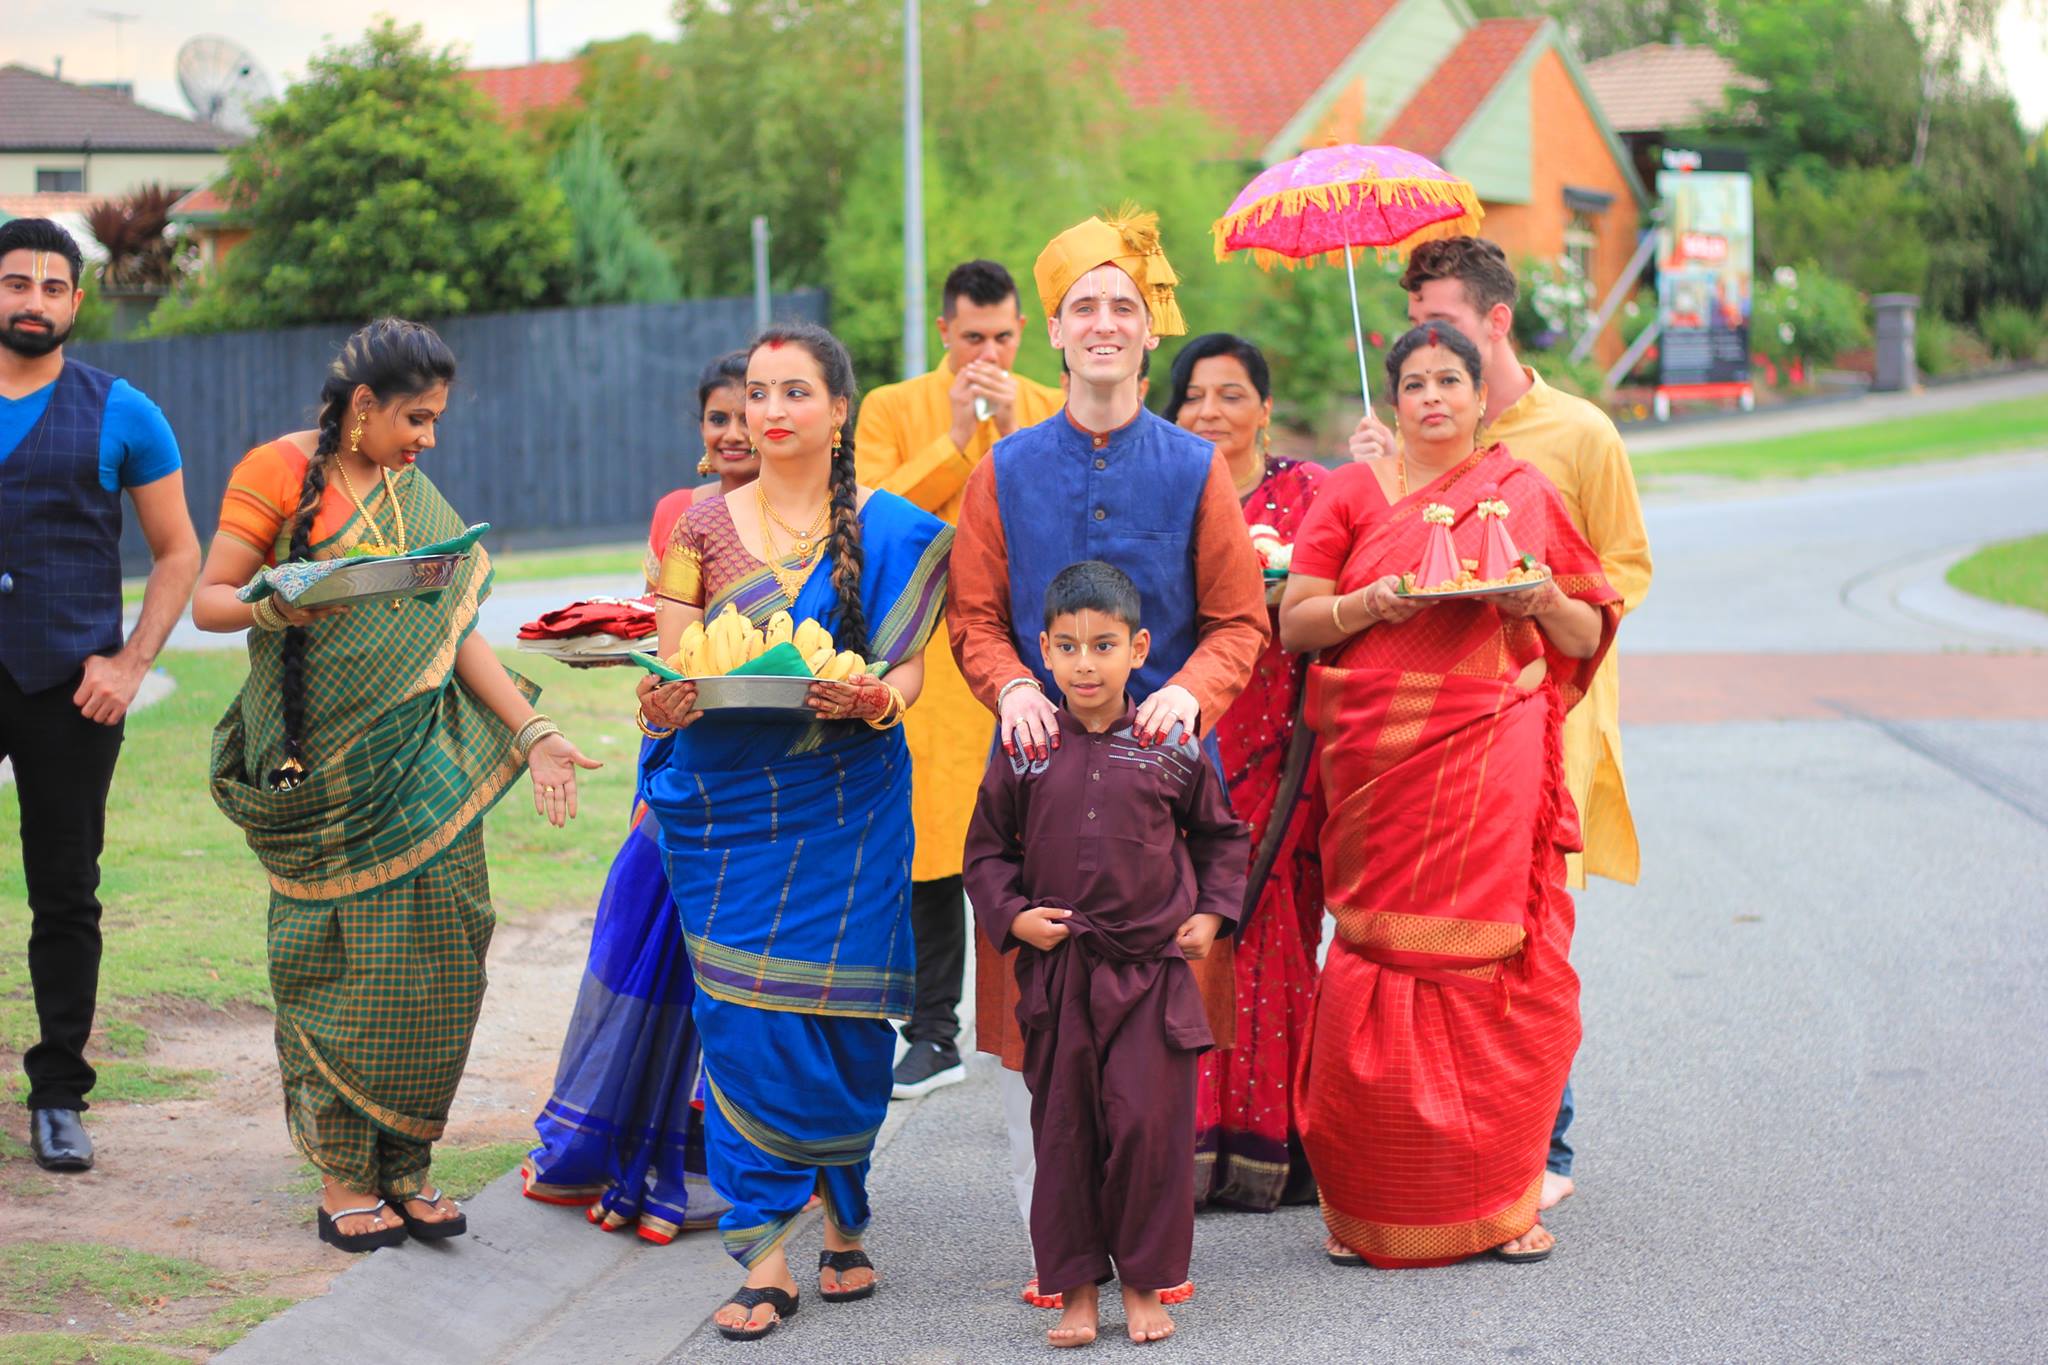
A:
(532, 32)
(913, 193)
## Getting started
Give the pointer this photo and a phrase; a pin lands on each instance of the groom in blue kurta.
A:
(1101, 479)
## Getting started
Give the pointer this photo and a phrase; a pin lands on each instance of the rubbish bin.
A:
(1895, 367)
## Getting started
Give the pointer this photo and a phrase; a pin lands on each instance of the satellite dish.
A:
(222, 82)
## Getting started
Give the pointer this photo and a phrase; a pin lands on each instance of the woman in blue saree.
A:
(788, 844)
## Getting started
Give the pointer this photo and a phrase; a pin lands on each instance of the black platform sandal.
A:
(841, 1262)
(352, 1242)
(783, 1302)
(431, 1229)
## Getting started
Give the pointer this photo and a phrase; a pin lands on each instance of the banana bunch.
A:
(707, 651)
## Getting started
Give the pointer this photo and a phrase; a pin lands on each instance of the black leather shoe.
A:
(59, 1140)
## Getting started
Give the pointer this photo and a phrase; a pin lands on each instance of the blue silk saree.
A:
(788, 849)
(624, 1128)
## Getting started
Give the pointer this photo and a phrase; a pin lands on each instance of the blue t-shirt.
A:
(136, 444)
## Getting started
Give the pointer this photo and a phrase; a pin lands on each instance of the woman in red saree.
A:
(1247, 1154)
(1447, 1016)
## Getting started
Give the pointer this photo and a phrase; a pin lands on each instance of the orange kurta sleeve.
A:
(979, 615)
(1231, 629)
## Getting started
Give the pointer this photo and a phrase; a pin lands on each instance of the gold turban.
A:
(1129, 241)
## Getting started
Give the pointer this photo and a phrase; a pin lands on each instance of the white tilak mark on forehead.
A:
(1107, 282)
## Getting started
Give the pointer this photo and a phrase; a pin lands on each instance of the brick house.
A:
(1502, 102)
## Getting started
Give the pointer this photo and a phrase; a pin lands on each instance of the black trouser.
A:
(63, 765)
(938, 926)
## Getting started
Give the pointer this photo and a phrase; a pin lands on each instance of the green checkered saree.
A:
(380, 905)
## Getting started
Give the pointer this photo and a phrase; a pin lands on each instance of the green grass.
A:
(186, 901)
(2014, 571)
(133, 1083)
(229, 1324)
(2017, 424)
(459, 1172)
(623, 562)
(65, 1348)
(36, 1277)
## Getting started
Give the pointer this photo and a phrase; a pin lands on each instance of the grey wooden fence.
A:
(565, 425)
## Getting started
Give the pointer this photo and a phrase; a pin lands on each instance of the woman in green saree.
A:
(360, 758)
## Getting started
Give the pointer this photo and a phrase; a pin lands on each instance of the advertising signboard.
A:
(1706, 261)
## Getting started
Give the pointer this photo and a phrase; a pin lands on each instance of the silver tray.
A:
(380, 580)
(1495, 590)
(765, 695)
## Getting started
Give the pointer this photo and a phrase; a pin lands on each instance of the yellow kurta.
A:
(1578, 449)
(903, 443)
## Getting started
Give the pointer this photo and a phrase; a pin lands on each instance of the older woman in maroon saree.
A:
(1447, 1016)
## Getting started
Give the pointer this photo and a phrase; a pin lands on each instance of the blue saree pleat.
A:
(624, 1127)
(788, 848)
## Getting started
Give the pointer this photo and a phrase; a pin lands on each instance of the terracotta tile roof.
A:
(1461, 83)
(522, 90)
(1663, 85)
(206, 202)
(1251, 68)
(43, 114)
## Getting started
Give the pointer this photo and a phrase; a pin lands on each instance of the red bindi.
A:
(776, 344)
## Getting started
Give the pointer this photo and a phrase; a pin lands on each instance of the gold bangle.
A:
(266, 616)
(892, 714)
(1336, 606)
(536, 729)
(640, 719)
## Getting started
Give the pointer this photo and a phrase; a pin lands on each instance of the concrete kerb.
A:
(532, 1282)
(156, 685)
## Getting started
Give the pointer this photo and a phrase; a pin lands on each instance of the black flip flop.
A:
(841, 1262)
(354, 1242)
(783, 1302)
(431, 1229)
(1346, 1258)
(1526, 1257)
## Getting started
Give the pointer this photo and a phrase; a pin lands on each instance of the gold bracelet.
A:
(536, 729)
(896, 707)
(640, 719)
(266, 616)
(1336, 605)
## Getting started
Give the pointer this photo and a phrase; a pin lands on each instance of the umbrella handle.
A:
(1357, 331)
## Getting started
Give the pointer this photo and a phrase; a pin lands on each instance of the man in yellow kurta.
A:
(1466, 283)
(921, 439)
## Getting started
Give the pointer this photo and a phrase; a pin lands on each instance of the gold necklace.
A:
(390, 498)
(790, 583)
(804, 539)
(1245, 487)
(1402, 470)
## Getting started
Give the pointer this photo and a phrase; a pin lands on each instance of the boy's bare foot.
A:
(1556, 1189)
(1145, 1318)
(832, 1281)
(772, 1271)
(334, 1197)
(1080, 1319)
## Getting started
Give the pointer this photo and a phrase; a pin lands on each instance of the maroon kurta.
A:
(1133, 841)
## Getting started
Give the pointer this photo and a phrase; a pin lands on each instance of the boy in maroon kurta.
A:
(1111, 862)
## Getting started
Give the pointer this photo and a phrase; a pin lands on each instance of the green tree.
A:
(616, 260)
(1866, 223)
(382, 183)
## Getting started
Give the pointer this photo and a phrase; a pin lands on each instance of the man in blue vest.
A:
(1100, 479)
(72, 438)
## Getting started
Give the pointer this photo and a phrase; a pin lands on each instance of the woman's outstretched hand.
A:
(553, 761)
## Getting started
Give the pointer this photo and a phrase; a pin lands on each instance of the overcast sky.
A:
(283, 33)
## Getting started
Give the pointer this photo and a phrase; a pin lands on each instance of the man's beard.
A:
(32, 344)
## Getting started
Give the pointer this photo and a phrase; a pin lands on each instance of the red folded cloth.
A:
(629, 619)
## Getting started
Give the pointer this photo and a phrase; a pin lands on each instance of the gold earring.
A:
(355, 438)
(1265, 439)
(704, 463)
(835, 440)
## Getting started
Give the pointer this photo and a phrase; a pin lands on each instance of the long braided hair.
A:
(851, 629)
(395, 359)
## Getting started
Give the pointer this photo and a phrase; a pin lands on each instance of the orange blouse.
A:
(263, 493)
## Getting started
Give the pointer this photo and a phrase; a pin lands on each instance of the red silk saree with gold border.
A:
(1447, 1015)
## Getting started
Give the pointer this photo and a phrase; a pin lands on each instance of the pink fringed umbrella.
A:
(1339, 200)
